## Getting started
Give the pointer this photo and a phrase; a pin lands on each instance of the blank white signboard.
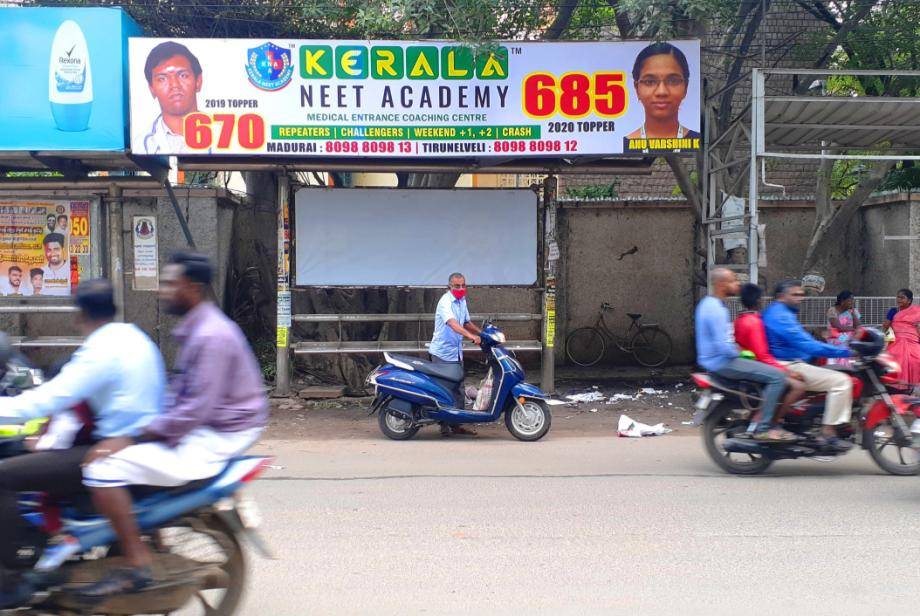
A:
(385, 236)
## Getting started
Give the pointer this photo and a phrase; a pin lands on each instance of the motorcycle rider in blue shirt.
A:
(792, 346)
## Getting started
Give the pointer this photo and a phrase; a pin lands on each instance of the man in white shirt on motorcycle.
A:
(118, 372)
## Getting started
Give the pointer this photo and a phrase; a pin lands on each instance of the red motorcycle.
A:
(882, 416)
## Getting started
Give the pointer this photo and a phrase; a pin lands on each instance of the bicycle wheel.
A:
(651, 346)
(585, 346)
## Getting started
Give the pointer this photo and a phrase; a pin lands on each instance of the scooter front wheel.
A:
(529, 421)
(395, 425)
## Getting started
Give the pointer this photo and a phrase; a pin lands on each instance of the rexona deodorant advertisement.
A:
(70, 79)
(64, 78)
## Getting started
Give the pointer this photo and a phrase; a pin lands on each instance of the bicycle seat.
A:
(634, 316)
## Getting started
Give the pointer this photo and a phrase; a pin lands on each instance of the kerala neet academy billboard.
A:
(412, 99)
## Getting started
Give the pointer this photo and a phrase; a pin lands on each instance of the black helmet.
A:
(871, 342)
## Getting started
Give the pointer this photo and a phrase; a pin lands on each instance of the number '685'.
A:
(575, 95)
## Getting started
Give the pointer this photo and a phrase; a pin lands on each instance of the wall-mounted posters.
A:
(40, 242)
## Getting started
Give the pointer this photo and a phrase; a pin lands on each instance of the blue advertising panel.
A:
(63, 78)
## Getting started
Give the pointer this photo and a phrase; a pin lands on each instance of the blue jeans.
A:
(773, 380)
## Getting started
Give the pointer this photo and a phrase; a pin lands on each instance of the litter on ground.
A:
(619, 397)
(592, 396)
(629, 427)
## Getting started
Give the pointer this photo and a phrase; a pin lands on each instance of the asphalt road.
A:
(577, 525)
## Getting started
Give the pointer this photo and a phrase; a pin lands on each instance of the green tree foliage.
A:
(471, 20)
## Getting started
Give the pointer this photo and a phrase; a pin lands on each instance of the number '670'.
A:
(200, 129)
(575, 95)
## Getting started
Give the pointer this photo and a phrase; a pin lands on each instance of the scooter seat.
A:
(448, 372)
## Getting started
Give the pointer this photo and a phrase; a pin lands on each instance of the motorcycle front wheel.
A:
(891, 451)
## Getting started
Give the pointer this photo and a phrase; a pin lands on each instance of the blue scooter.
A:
(412, 392)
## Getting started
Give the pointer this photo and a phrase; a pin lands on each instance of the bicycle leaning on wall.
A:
(647, 342)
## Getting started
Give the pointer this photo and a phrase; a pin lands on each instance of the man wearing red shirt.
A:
(751, 335)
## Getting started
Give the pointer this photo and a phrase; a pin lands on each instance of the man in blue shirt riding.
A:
(118, 372)
(451, 325)
(792, 346)
(717, 352)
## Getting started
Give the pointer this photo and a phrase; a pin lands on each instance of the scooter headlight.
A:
(499, 337)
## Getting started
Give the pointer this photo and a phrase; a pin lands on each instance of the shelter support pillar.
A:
(757, 101)
(283, 326)
(116, 246)
(913, 271)
(550, 261)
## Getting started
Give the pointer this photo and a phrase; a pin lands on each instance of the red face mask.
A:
(458, 293)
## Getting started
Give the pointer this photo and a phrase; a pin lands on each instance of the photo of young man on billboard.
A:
(174, 77)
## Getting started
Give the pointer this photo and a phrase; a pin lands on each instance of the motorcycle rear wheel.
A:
(882, 439)
(223, 595)
(721, 424)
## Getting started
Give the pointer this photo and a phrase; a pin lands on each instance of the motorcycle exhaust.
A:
(739, 445)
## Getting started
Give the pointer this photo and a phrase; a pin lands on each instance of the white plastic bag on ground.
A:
(593, 396)
(632, 428)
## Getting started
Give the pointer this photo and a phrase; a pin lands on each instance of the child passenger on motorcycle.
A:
(751, 336)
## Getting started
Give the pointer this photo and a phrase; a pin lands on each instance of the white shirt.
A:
(56, 281)
(161, 139)
(118, 371)
(7, 289)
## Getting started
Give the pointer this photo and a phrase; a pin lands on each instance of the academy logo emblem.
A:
(269, 67)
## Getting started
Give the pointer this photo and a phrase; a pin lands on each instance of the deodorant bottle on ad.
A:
(70, 79)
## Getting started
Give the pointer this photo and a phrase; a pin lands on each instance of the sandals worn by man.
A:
(775, 435)
(456, 430)
(117, 582)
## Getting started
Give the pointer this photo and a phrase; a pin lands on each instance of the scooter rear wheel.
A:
(395, 425)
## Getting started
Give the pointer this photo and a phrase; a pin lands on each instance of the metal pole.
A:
(182, 221)
(757, 92)
(283, 359)
(551, 259)
(116, 248)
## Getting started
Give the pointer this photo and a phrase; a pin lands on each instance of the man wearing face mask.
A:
(451, 325)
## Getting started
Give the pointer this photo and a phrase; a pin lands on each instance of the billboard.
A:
(63, 72)
(412, 99)
(41, 243)
(338, 236)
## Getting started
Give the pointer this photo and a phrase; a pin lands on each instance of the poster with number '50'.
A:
(413, 99)
(40, 245)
